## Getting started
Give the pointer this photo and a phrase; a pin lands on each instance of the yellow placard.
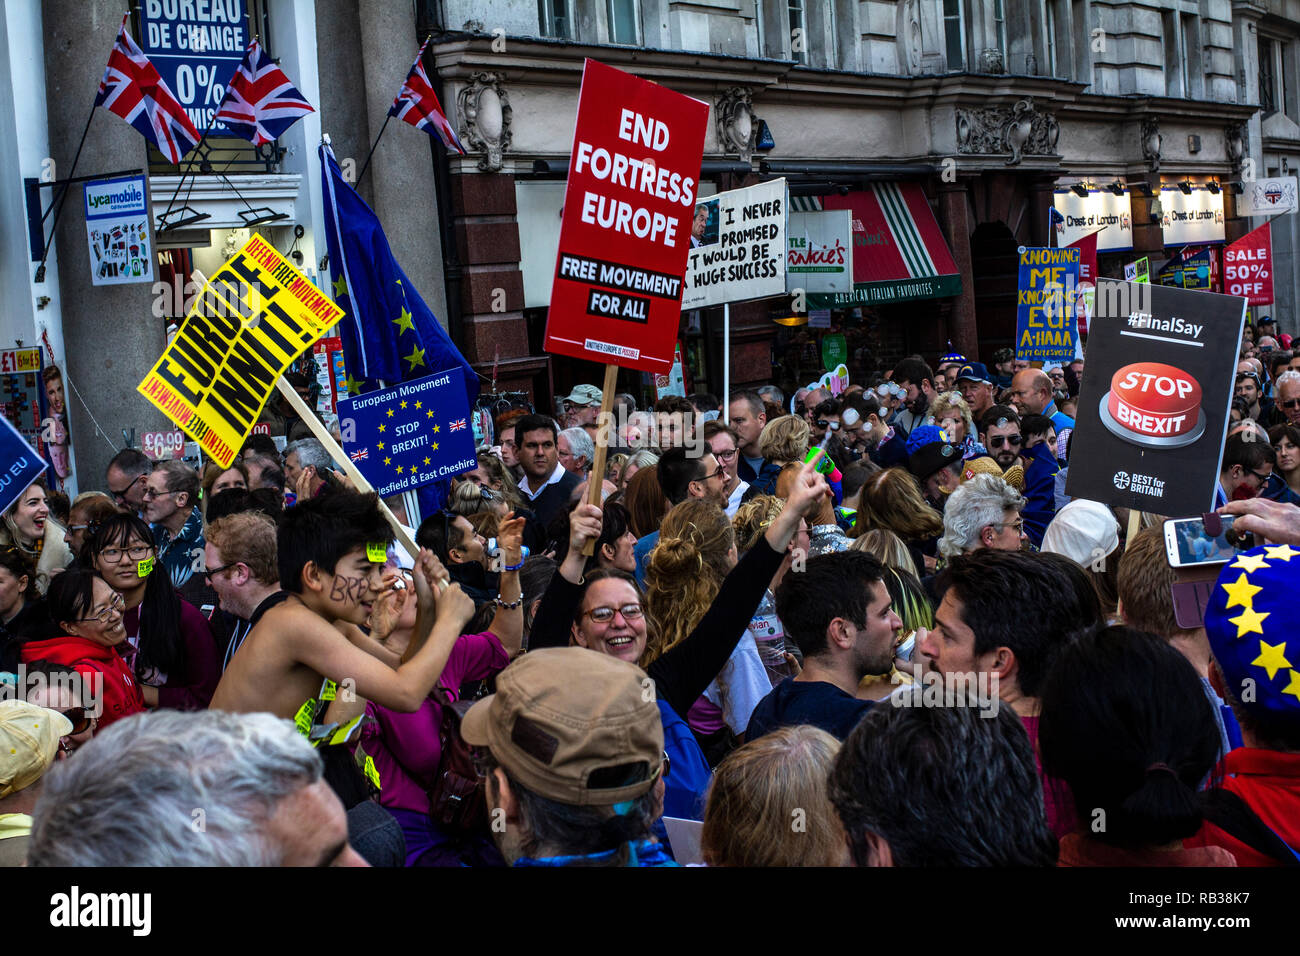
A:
(252, 319)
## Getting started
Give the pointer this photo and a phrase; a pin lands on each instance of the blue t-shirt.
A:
(793, 702)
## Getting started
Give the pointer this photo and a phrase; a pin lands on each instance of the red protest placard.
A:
(1248, 266)
(628, 212)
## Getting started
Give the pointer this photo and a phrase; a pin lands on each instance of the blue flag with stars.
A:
(388, 332)
(389, 335)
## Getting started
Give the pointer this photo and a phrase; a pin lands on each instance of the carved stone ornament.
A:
(990, 61)
(1019, 130)
(1236, 139)
(485, 120)
(910, 33)
(736, 122)
(1151, 142)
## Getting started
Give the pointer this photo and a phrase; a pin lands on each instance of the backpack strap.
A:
(1231, 814)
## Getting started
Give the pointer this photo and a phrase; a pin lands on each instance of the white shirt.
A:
(556, 475)
(734, 501)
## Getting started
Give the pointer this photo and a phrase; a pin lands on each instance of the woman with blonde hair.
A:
(28, 527)
(950, 412)
(785, 440)
(893, 500)
(696, 551)
(887, 548)
(758, 791)
(634, 463)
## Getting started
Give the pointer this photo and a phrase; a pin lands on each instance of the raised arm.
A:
(330, 654)
(682, 674)
(508, 622)
(553, 622)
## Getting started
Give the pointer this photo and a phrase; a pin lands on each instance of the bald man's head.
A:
(1031, 391)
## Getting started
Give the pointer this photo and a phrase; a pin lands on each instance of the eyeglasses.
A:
(79, 719)
(1018, 524)
(136, 552)
(720, 473)
(121, 495)
(833, 426)
(1263, 479)
(997, 441)
(213, 572)
(150, 494)
(725, 455)
(115, 603)
(603, 615)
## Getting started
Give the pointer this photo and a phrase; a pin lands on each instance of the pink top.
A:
(1057, 799)
(406, 747)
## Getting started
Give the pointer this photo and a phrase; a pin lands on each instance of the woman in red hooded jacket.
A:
(89, 612)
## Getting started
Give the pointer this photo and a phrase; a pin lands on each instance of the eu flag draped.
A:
(388, 332)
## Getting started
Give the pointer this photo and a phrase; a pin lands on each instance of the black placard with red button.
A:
(1157, 388)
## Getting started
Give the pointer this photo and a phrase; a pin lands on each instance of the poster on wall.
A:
(196, 48)
(820, 251)
(117, 228)
(1101, 210)
(1274, 196)
(1191, 219)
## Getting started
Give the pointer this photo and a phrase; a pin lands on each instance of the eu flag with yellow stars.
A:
(388, 333)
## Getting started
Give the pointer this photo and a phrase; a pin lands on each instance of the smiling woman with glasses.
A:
(89, 613)
(167, 640)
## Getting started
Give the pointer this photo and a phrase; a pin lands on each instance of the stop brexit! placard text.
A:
(628, 210)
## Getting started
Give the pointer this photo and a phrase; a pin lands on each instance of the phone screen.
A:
(1188, 543)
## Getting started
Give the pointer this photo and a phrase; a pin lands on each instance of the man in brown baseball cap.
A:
(572, 747)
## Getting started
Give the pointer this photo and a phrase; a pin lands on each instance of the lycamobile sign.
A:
(115, 197)
(117, 229)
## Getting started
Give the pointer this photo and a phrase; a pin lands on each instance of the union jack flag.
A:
(361, 454)
(133, 89)
(260, 102)
(458, 424)
(418, 105)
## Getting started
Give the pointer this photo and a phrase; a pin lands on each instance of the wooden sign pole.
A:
(603, 426)
(1134, 525)
(338, 454)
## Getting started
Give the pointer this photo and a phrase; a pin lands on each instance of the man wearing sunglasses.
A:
(1286, 394)
(126, 476)
(1000, 434)
(826, 420)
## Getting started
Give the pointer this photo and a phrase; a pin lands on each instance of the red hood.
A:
(67, 650)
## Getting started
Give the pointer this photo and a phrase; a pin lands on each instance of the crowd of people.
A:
(860, 628)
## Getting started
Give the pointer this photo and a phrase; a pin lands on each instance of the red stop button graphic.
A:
(1155, 405)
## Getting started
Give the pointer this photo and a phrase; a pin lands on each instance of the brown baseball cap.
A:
(572, 725)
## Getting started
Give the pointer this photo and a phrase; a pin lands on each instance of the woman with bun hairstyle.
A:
(696, 552)
(1126, 724)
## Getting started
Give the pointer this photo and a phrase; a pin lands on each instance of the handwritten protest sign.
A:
(1046, 326)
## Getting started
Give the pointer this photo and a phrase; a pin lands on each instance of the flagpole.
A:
(62, 197)
(366, 164)
(181, 185)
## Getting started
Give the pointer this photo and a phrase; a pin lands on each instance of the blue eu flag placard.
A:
(410, 435)
(20, 462)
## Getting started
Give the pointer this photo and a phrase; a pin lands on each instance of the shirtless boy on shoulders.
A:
(331, 559)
